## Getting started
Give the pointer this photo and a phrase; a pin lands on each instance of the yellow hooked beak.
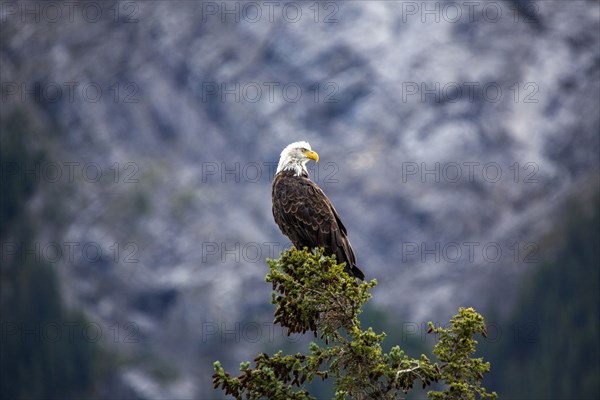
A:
(312, 155)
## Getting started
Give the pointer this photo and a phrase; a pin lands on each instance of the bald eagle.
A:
(303, 212)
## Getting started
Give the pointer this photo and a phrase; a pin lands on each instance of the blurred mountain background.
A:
(458, 141)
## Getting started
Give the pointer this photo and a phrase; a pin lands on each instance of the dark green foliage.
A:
(35, 362)
(313, 293)
(14, 157)
(550, 348)
(43, 353)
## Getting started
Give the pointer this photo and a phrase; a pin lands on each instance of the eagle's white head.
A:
(295, 156)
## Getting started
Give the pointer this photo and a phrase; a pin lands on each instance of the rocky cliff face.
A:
(447, 133)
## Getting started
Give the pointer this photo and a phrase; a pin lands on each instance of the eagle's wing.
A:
(306, 216)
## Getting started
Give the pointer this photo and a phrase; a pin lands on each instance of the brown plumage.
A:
(304, 213)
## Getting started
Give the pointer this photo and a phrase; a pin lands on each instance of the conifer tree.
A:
(312, 293)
